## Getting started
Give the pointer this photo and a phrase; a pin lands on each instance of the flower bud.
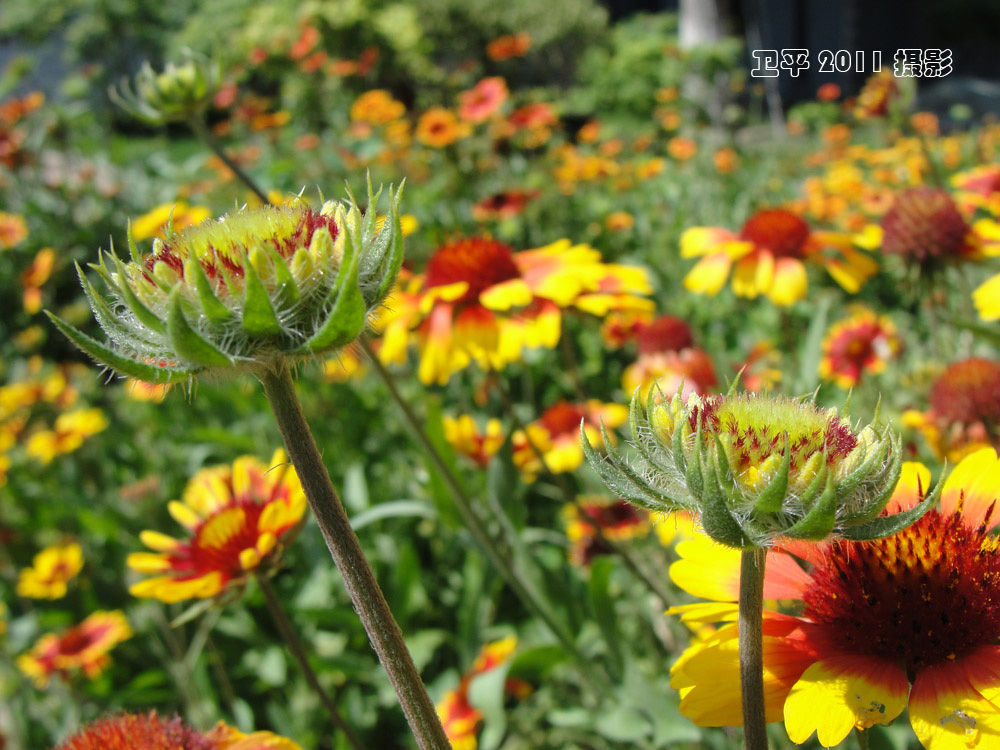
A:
(180, 92)
(250, 291)
(759, 468)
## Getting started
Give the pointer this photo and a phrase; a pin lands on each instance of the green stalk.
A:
(751, 633)
(862, 737)
(208, 138)
(298, 650)
(359, 580)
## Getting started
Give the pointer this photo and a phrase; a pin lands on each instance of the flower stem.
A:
(862, 737)
(294, 644)
(359, 580)
(751, 630)
(208, 138)
(523, 587)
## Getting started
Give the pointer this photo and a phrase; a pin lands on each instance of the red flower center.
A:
(562, 418)
(924, 224)
(665, 334)
(968, 391)
(79, 638)
(925, 595)
(478, 262)
(612, 516)
(131, 732)
(781, 232)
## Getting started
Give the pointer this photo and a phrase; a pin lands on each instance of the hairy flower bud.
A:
(180, 92)
(759, 468)
(249, 291)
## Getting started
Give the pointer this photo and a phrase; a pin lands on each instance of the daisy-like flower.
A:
(556, 433)
(503, 205)
(977, 188)
(667, 354)
(617, 520)
(757, 468)
(153, 732)
(438, 127)
(479, 301)
(68, 433)
(50, 571)
(884, 625)
(768, 256)
(863, 342)
(377, 107)
(13, 230)
(483, 100)
(479, 446)
(876, 96)
(83, 647)
(254, 291)
(460, 718)
(239, 518)
(177, 216)
(35, 276)
(760, 371)
(964, 413)
(508, 46)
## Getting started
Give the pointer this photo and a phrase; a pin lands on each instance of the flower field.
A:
(391, 376)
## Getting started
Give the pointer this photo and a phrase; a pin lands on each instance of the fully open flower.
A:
(377, 107)
(479, 301)
(508, 46)
(617, 520)
(240, 518)
(884, 625)
(67, 434)
(768, 257)
(556, 434)
(13, 230)
(153, 732)
(503, 205)
(438, 127)
(83, 647)
(964, 413)
(479, 446)
(50, 571)
(483, 100)
(254, 290)
(758, 468)
(863, 342)
(977, 188)
(667, 354)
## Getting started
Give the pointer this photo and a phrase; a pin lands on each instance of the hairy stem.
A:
(208, 138)
(359, 580)
(751, 630)
(294, 643)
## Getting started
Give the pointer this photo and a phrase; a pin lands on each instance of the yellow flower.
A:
(50, 571)
(466, 438)
(83, 647)
(556, 433)
(71, 429)
(178, 216)
(376, 107)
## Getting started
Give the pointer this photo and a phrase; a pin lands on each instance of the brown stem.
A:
(359, 580)
(208, 138)
(294, 643)
(751, 634)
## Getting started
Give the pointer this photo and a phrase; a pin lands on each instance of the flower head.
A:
(768, 257)
(50, 571)
(180, 92)
(925, 226)
(153, 732)
(758, 468)
(556, 435)
(377, 107)
(13, 230)
(239, 517)
(884, 625)
(67, 434)
(438, 127)
(252, 290)
(483, 100)
(166, 218)
(83, 647)
(616, 519)
(479, 446)
(503, 205)
(508, 46)
(861, 343)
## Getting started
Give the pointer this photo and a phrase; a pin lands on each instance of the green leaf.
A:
(819, 521)
(989, 334)
(884, 526)
(346, 318)
(812, 346)
(142, 313)
(286, 290)
(259, 318)
(773, 496)
(716, 518)
(216, 312)
(120, 364)
(393, 509)
(603, 605)
(486, 693)
(187, 342)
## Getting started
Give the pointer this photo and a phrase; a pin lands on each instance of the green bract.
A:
(251, 290)
(179, 92)
(759, 468)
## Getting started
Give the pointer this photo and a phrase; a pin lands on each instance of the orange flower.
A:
(537, 115)
(964, 413)
(650, 168)
(590, 132)
(35, 276)
(726, 160)
(483, 100)
(619, 221)
(305, 44)
(879, 91)
(618, 521)
(769, 255)
(681, 148)
(759, 372)
(508, 46)
(556, 434)
(83, 647)
(978, 188)
(503, 205)
(863, 342)
(479, 301)
(925, 123)
(377, 107)
(879, 627)
(828, 92)
(438, 127)
(139, 390)
(13, 230)
(240, 517)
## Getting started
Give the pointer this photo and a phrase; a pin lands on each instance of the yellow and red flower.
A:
(483, 100)
(152, 732)
(884, 625)
(459, 717)
(556, 434)
(13, 230)
(667, 355)
(508, 46)
(977, 188)
(438, 127)
(479, 446)
(863, 342)
(240, 518)
(377, 107)
(878, 93)
(768, 257)
(479, 301)
(68, 433)
(964, 413)
(503, 205)
(50, 571)
(83, 647)
(617, 520)
(34, 276)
